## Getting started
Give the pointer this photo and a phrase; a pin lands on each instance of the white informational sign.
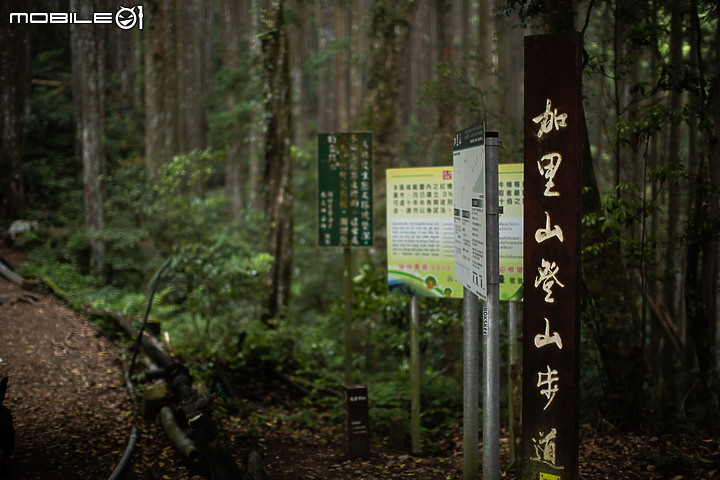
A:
(469, 209)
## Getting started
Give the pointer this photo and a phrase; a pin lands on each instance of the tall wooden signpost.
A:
(551, 320)
(345, 209)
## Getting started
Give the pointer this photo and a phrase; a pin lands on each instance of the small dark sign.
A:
(551, 321)
(345, 190)
(357, 421)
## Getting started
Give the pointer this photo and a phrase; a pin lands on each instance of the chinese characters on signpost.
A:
(553, 128)
(345, 190)
(345, 207)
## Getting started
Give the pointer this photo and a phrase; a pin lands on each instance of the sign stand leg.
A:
(415, 374)
(347, 291)
(491, 318)
(471, 358)
(513, 377)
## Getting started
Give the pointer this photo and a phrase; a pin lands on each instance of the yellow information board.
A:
(420, 232)
(510, 197)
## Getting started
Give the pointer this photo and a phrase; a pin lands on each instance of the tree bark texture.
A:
(191, 25)
(389, 35)
(422, 49)
(446, 104)
(673, 249)
(234, 28)
(509, 82)
(702, 231)
(713, 264)
(161, 92)
(278, 159)
(13, 59)
(328, 80)
(91, 50)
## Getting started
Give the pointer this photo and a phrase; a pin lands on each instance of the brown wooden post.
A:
(357, 421)
(551, 318)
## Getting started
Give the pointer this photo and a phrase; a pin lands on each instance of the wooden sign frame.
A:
(553, 123)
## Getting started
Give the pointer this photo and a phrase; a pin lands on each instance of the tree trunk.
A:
(342, 66)
(161, 95)
(255, 155)
(191, 24)
(389, 34)
(673, 251)
(301, 38)
(13, 59)
(485, 43)
(700, 236)
(358, 51)
(90, 43)
(123, 49)
(327, 83)
(278, 159)
(510, 78)
(712, 266)
(421, 48)
(234, 28)
(445, 105)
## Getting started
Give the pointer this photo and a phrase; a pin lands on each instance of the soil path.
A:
(65, 390)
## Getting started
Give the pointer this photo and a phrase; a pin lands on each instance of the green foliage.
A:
(215, 278)
(317, 272)
(211, 291)
(528, 10)
(381, 351)
(216, 290)
(183, 210)
(53, 187)
(232, 104)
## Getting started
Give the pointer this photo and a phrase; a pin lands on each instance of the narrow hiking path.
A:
(65, 390)
(71, 410)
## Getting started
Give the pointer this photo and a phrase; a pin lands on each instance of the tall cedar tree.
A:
(91, 50)
(278, 159)
(13, 68)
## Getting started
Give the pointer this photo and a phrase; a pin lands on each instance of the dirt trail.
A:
(71, 410)
(65, 390)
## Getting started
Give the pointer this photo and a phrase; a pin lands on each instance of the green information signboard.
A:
(345, 190)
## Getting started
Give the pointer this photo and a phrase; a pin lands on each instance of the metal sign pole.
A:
(471, 358)
(415, 374)
(514, 386)
(491, 317)
(347, 294)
